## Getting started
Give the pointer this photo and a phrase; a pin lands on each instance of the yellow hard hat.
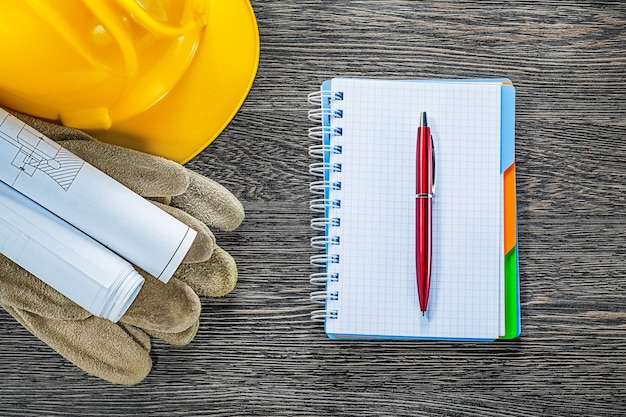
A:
(160, 76)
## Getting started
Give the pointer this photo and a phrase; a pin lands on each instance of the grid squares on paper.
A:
(377, 287)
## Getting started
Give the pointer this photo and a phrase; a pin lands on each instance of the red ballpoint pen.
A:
(424, 189)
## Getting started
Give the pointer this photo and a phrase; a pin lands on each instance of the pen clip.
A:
(432, 141)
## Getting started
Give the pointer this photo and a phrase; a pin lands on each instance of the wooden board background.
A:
(257, 353)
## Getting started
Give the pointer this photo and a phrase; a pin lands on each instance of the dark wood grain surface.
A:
(258, 354)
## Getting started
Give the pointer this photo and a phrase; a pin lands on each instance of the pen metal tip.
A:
(423, 313)
(423, 121)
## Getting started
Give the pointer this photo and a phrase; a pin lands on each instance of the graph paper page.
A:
(377, 290)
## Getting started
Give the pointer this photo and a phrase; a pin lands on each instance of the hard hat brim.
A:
(210, 93)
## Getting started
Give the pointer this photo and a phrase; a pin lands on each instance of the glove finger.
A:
(147, 175)
(202, 247)
(96, 345)
(24, 291)
(210, 202)
(139, 336)
(167, 308)
(213, 278)
(182, 338)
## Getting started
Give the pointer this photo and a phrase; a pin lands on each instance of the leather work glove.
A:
(119, 352)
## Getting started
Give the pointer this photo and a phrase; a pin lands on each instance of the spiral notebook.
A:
(365, 145)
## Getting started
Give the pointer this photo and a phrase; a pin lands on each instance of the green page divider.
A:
(512, 322)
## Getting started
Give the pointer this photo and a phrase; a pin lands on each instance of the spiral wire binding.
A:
(321, 223)
(316, 97)
(322, 135)
(320, 168)
(322, 204)
(317, 133)
(317, 115)
(323, 260)
(320, 242)
(320, 297)
(318, 151)
(319, 187)
(321, 278)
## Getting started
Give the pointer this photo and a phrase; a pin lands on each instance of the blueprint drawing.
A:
(24, 151)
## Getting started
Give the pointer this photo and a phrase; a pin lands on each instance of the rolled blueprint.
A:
(65, 258)
(90, 200)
